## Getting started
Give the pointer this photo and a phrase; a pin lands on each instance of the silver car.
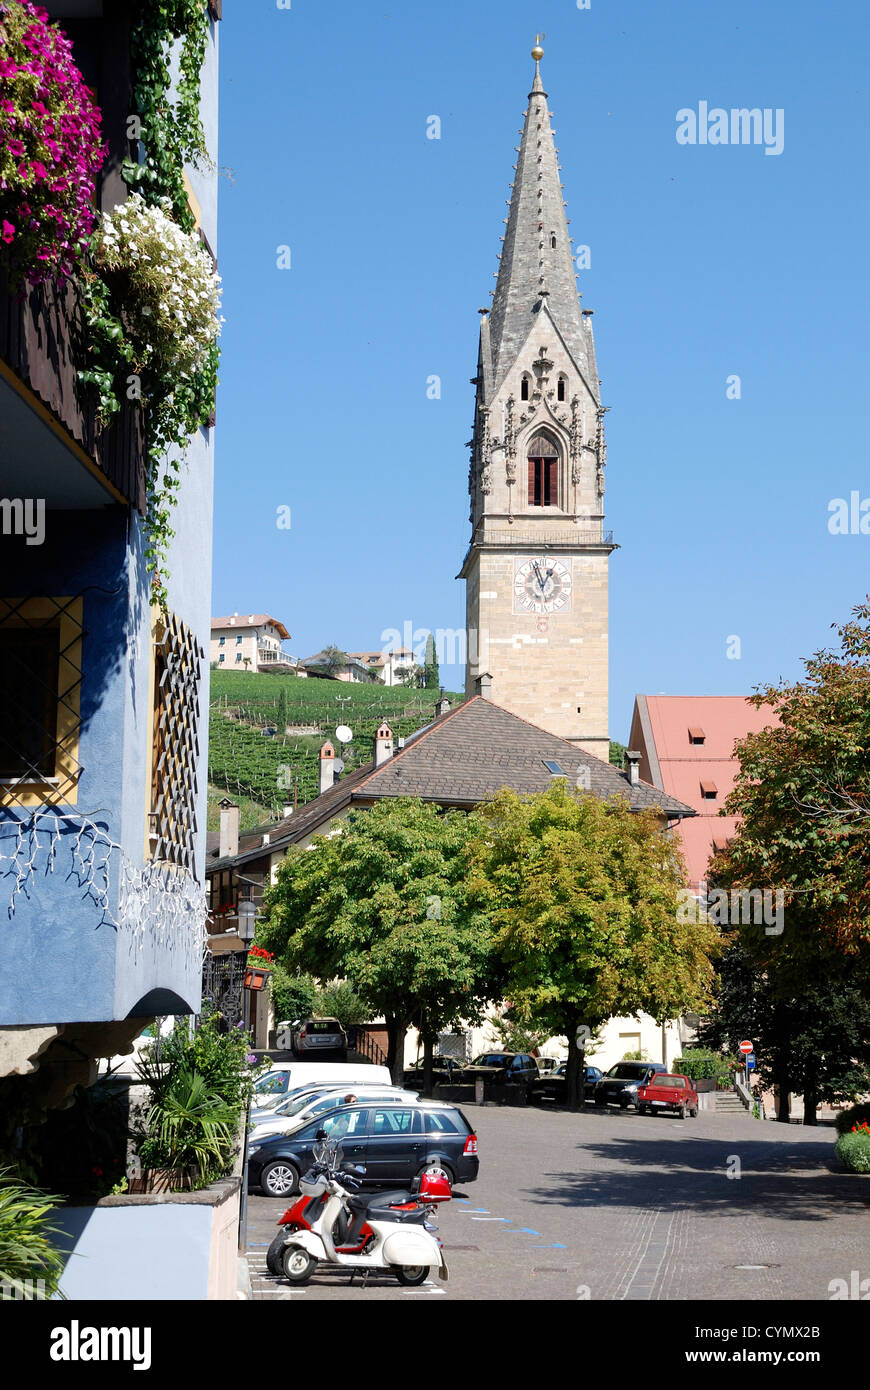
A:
(317, 1036)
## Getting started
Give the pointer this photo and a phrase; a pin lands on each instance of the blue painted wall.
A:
(60, 960)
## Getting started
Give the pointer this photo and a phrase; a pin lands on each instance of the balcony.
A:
(49, 432)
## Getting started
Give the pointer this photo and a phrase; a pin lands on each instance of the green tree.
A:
(431, 677)
(334, 659)
(282, 710)
(803, 798)
(384, 905)
(815, 1042)
(584, 896)
(413, 676)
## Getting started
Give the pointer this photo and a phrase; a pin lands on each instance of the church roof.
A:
(462, 758)
(533, 272)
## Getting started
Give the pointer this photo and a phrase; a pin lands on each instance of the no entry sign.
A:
(746, 1048)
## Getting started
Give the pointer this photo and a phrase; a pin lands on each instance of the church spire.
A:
(537, 263)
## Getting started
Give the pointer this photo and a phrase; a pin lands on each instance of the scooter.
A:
(330, 1224)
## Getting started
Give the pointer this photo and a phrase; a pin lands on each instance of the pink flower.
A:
(8, 231)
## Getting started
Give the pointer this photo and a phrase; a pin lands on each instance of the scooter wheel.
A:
(411, 1275)
(275, 1254)
(297, 1265)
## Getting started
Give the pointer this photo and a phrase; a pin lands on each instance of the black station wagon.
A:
(392, 1142)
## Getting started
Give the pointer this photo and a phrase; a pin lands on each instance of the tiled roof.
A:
(248, 620)
(464, 757)
(664, 727)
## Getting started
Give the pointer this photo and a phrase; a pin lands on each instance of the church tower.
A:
(536, 571)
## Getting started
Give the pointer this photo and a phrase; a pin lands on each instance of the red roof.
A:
(663, 728)
(248, 620)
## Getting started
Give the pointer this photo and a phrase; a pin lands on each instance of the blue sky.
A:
(706, 261)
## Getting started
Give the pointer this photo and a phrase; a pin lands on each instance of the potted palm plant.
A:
(190, 1131)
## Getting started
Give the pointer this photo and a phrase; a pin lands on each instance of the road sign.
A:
(746, 1048)
(750, 1062)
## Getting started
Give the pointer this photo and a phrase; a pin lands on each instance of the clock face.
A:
(542, 585)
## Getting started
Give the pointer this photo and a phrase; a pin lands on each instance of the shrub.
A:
(855, 1115)
(50, 150)
(26, 1252)
(341, 1001)
(853, 1151)
(699, 1064)
(189, 1124)
(293, 996)
(199, 1092)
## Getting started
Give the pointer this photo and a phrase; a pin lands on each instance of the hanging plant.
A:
(162, 312)
(166, 287)
(50, 149)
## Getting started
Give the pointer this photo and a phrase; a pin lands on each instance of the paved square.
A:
(609, 1205)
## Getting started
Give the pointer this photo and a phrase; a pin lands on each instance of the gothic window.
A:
(553, 240)
(524, 389)
(562, 389)
(543, 461)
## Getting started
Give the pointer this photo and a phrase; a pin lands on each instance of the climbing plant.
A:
(165, 130)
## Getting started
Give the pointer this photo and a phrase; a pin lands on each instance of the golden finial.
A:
(537, 51)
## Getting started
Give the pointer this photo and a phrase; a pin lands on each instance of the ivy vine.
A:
(167, 135)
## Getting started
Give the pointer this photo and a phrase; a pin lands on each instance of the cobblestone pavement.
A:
(617, 1206)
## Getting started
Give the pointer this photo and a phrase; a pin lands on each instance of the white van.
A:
(284, 1077)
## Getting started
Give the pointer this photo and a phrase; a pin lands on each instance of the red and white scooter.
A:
(332, 1224)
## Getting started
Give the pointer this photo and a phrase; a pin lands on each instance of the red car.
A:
(668, 1093)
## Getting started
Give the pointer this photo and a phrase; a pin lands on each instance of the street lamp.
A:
(247, 927)
(247, 921)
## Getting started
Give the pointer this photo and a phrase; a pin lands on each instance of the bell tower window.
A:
(543, 472)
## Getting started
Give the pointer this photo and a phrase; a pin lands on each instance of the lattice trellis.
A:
(178, 665)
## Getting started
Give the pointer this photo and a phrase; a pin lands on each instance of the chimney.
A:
(229, 835)
(327, 767)
(632, 767)
(383, 744)
(483, 686)
(443, 704)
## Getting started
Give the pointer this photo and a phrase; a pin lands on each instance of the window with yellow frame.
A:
(40, 700)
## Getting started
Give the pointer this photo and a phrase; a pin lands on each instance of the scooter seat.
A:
(380, 1213)
(364, 1202)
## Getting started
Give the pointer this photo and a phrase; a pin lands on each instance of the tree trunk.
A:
(396, 1030)
(811, 1104)
(781, 1078)
(428, 1053)
(574, 1075)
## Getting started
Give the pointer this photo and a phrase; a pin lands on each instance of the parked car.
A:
(547, 1065)
(552, 1087)
(317, 1036)
(298, 1111)
(668, 1093)
(445, 1071)
(393, 1142)
(501, 1068)
(272, 1087)
(620, 1085)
